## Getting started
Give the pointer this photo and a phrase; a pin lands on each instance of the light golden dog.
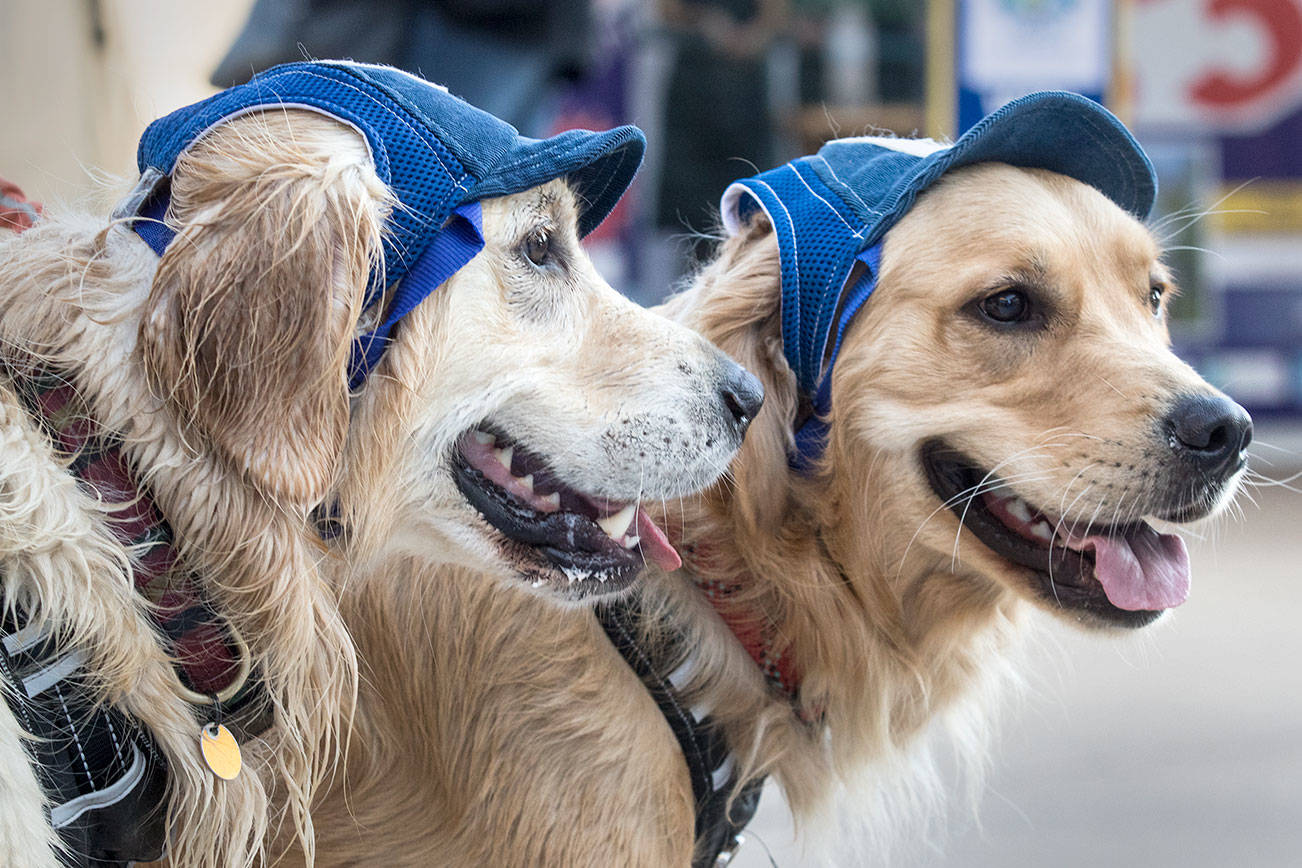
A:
(1006, 415)
(223, 366)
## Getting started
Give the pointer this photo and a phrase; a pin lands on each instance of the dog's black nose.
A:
(1210, 430)
(742, 394)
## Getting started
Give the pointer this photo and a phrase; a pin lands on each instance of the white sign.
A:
(1023, 45)
(1216, 65)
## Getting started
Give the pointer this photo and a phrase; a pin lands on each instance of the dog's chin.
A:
(1123, 575)
(557, 539)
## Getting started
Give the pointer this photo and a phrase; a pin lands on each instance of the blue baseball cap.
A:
(832, 209)
(438, 154)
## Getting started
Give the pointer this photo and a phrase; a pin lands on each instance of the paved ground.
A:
(1177, 748)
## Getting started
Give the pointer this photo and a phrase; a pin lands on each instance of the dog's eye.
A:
(538, 248)
(1155, 293)
(1007, 306)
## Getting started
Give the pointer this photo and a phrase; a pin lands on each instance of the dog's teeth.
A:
(527, 481)
(483, 437)
(554, 499)
(617, 525)
(1019, 509)
(632, 542)
(1042, 530)
(503, 456)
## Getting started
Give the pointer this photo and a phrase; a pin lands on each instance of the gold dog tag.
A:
(220, 750)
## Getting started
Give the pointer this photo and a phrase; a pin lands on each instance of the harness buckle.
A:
(151, 182)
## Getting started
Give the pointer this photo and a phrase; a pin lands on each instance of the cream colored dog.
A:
(223, 367)
(973, 471)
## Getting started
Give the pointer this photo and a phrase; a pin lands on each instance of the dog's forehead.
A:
(1033, 212)
(553, 203)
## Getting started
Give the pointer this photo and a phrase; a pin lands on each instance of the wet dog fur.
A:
(223, 366)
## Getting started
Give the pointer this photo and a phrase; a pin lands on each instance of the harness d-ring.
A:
(227, 693)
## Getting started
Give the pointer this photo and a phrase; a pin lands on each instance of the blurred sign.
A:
(1007, 48)
(1224, 78)
(1229, 65)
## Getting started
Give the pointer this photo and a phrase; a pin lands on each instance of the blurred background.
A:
(1179, 747)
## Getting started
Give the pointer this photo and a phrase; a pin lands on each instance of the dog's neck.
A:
(877, 662)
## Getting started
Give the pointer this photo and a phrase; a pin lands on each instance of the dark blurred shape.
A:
(717, 120)
(504, 56)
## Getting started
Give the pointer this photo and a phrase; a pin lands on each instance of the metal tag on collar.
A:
(221, 752)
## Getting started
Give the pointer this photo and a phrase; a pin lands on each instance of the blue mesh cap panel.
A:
(818, 237)
(427, 180)
(433, 150)
(600, 166)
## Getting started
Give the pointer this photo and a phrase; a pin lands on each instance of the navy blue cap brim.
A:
(1068, 134)
(1054, 130)
(599, 166)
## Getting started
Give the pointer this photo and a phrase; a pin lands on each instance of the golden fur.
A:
(491, 730)
(224, 368)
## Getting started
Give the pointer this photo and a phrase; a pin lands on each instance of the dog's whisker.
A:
(1107, 383)
(1261, 480)
(1257, 442)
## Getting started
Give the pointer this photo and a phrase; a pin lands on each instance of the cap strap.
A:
(461, 237)
(151, 227)
(811, 436)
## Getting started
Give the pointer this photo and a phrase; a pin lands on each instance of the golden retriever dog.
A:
(223, 368)
(1006, 416)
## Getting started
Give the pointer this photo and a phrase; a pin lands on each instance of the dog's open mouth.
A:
(1125, 574)
(579, 543)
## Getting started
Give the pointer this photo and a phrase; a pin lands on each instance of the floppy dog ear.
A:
(249, 323)
(737, 307)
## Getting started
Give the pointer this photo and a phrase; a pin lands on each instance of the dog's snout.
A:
(1210, 430)
(742, 394)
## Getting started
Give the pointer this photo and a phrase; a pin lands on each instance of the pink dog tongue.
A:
(655, 545)
(1142, 570)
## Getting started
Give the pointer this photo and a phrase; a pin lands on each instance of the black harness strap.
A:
(709, 762)
(102, 774)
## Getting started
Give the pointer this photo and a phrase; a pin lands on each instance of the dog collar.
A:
(438, 154)
(833, 208)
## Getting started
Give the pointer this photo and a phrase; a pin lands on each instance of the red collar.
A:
(16, 212)
(755, 630)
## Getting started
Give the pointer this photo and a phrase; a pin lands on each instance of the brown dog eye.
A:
(1007, 306)
(1155, 296)
(538, 248)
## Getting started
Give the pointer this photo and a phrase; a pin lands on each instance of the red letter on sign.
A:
(1281, 21)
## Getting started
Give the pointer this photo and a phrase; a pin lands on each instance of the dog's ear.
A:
(738, 308)
(250, 320)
